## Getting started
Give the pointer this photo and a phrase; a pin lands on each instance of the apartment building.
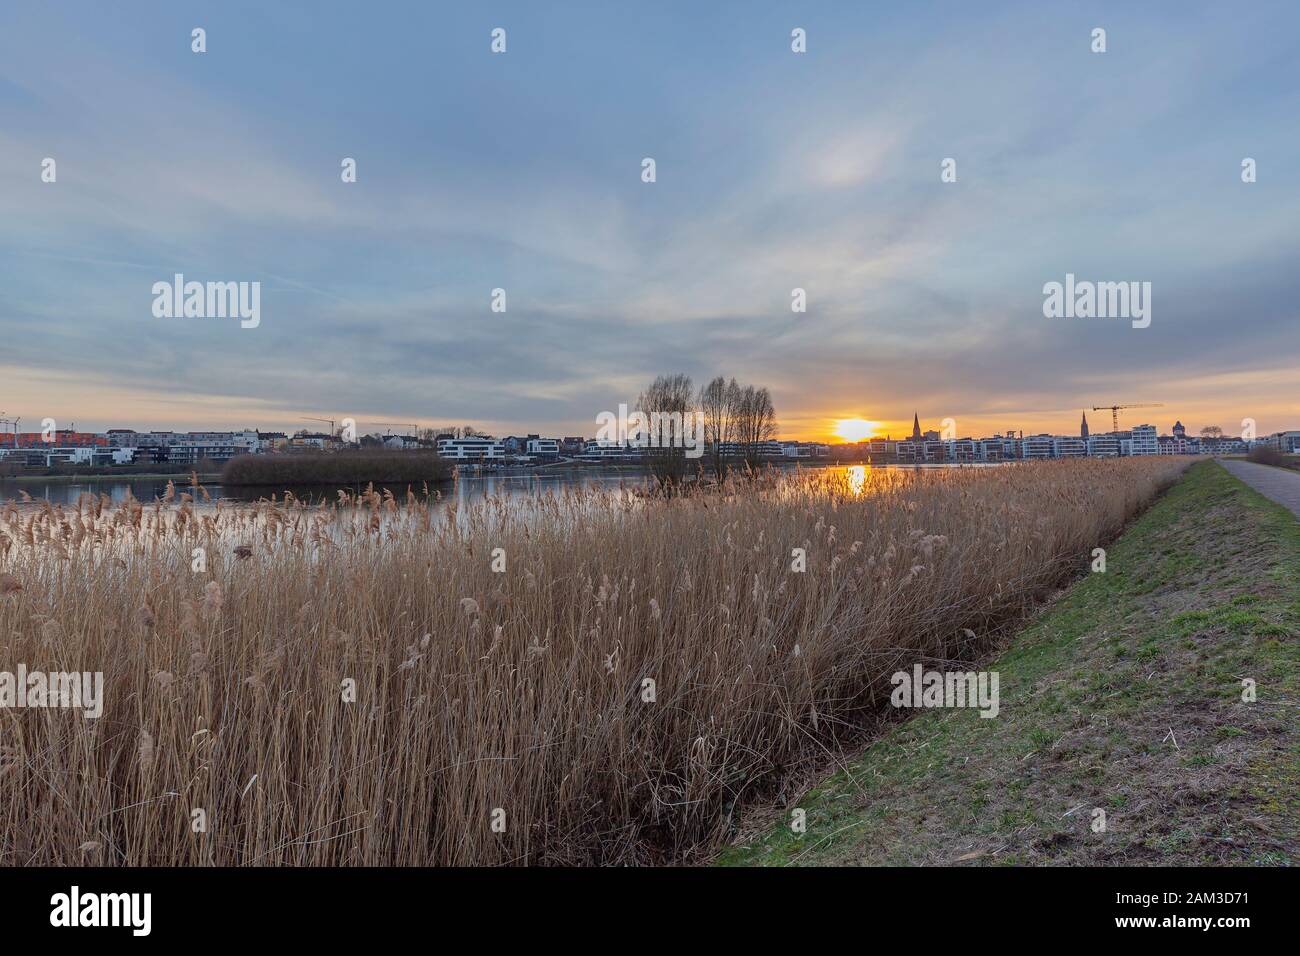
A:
(1037, 446)
(960, 449)
(60, 438)
(765, 449)
(471, 449)
(805, 449)
(318, 440)
(192, 447)
(1286, 442)
(98, 455)
(544, 447)
(610, 452)
(1143, 440)
(1066, 446)
(1103, 446)
(1173, 445)
(934, 449)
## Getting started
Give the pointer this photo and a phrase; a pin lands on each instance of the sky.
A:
(774, 170)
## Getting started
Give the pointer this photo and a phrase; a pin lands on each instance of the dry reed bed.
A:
(520, 690)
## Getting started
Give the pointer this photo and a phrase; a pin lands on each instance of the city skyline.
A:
(883, 430)
(775, 172)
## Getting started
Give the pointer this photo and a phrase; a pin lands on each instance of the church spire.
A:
(1083, 429)
(916, 427)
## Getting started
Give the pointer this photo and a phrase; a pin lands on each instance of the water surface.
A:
(464, 489)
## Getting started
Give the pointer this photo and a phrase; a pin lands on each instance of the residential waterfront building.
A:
(1143, 440)
(610, 452)
(544, 447)
(477, 449)
(960, 449)
(1067, 446)
(1037, 446)
(1103, 446)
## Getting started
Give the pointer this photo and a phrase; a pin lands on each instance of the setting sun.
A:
(855, 429)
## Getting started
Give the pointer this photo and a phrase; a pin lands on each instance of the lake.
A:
(466, 488)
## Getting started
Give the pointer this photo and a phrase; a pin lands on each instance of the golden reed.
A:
(607, 687)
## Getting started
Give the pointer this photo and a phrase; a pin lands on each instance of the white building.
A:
(805, 449)
(1103, 446)
(1037, 446)
(1067, 446)
(1144, 441)
(214, 446)
(401, 442)
(959, 449)
(471, 449)
(1286, 442)
(601, 451)
(764, 449)
(545, 447)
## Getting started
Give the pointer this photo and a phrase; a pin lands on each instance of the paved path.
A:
(1280, 484)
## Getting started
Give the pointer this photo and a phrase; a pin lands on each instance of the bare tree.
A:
(754, 422)
(1212, 431)
(667, 403)
(455, 431)
(719, 401)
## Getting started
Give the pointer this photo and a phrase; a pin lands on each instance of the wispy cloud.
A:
(776, 171)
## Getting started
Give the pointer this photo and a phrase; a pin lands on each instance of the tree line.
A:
(730, 414)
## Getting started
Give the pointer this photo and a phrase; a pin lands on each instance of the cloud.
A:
(819, 172)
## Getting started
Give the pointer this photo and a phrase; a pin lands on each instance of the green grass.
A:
(1125, 695)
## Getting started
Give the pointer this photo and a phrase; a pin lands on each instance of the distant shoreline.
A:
(179, 479)
(343, 470)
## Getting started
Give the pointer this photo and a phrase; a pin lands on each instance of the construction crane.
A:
(1114, 411)
(329, 420)
(13, 424)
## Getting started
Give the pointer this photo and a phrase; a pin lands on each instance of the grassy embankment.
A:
(396, 471)
(1126, 695)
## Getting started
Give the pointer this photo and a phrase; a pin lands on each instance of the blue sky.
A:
(522, 171)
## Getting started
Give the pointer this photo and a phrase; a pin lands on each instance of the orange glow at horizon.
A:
(855, 429)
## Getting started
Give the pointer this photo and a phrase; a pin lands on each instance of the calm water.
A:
(465, 489)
